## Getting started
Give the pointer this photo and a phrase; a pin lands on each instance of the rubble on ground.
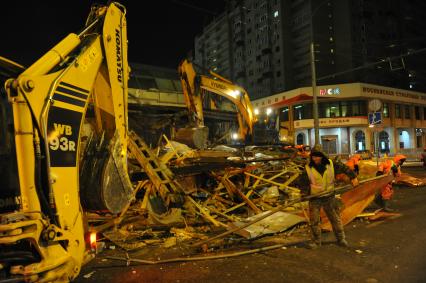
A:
(185, 194)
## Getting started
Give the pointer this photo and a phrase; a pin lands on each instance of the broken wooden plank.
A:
(280, 185)
(205, 213)
(228, 184)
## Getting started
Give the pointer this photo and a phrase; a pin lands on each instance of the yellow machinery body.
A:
(194, 84)
(83, 78)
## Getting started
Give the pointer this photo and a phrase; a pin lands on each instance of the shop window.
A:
(308, 112)
(284, 114)
(384, 142)
(417, 112)
(404, 139)
(300, 139)
(331, 110)
(344, 107)
(407, 112)
(355, 109)
(302, 111)
(359, 140)
(398, 111)
(298, 112)
(386, 110)
(419, 138)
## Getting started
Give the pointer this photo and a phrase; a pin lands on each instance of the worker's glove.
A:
(355, 182)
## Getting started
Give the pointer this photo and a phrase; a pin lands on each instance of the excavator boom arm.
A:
(49, 102)
(193, 85)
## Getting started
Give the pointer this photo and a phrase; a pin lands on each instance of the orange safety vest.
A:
(386, 166)
(351, 163)
(387, 192)
(321, 183)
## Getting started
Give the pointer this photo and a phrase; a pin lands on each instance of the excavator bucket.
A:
(195, 137)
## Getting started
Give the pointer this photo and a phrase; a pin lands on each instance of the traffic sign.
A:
(375, 118)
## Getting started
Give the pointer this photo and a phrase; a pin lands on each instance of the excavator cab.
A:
(9, 193)
(9, 181)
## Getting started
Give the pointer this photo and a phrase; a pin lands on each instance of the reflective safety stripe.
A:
(321, 183)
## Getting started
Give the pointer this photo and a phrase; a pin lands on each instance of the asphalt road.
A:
(391, 250)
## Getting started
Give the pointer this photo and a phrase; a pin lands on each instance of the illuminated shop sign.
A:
(332, 122)
(330, 91)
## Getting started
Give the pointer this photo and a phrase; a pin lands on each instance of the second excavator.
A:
(194, 86)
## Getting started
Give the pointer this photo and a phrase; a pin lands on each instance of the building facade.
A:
(343, 118)
(264, 45)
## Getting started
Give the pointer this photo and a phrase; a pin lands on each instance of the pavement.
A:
(412, 163)
(390, 250)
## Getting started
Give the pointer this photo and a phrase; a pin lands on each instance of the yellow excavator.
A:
(63, 147)
(194, 86)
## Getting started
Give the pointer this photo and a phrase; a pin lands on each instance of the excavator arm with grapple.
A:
(194, 85)
(63, 146)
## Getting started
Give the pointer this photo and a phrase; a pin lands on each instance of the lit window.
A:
(331, 50)
(411, 86)
(331, 39)
(386, 110)
(214, 60)
(275, 14)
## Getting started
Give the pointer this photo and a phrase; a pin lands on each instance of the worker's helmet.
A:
(399, 158)
(317, 152)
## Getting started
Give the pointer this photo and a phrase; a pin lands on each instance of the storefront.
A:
(343, 118)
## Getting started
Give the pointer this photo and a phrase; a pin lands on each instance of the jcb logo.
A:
(58, 138)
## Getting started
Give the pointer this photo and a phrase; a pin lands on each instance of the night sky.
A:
(159, 32)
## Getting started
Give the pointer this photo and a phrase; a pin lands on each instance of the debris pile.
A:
(182, 194)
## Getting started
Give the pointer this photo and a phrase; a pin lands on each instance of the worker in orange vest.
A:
(353, 163)
(386, 167)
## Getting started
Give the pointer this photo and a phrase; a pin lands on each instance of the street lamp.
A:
(314, 77)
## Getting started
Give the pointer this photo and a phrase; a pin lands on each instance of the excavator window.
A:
(9, 182)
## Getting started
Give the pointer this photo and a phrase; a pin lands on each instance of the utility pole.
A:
(314, 74)
(314, 91)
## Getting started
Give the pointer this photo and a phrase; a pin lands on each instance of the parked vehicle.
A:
(365, 153)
